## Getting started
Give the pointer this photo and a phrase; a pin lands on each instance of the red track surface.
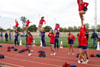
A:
(16, 59)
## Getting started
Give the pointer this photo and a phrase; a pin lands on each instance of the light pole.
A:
(95, 19)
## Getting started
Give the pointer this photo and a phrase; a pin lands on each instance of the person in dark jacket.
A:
(6, 37)
(16, 41)
(94, 37)
(43, 37)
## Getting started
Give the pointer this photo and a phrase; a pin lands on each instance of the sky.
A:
(64, 12)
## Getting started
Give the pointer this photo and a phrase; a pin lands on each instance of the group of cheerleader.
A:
(29, 37)
(83, 42)
(25, 27)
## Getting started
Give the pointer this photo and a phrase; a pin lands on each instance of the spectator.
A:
(6, 37)
(1, 35)
(94, 37)
(16, 38)
(9, 35)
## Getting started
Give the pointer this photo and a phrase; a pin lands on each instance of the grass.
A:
(64, 39)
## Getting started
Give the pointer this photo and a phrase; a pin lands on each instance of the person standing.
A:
(6, 37)
(56, 45)
(71, 40)
(16, 41)
(9, 35)
(29, 40)
(52, 38)
(1, 35)
(43, 38)
(94, 37)
(83, 46)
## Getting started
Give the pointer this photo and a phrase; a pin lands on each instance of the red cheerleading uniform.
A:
(82, 5)
(42, 20)
(52, 38)
(27, 23)
(71, 37)
(16, 23)
(85, 29)
(57, 27)
(82, 38)
(29, 40)
(24, 21)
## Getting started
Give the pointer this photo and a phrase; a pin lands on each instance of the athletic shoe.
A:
(54, 54)
(84, 62)
(37, 30)
(87, 60)
(31, 50)
(79, 61)
(29, 54)
(51, 54)
(68, 53)
(73, 54)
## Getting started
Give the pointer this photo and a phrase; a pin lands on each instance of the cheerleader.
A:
(83, 46)
(82, 7)
(41, 23)
(71, 39)
(27, 25)
(16, 26)
(52, 41)
(57, 29)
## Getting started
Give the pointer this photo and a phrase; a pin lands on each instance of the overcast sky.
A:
(64, 12)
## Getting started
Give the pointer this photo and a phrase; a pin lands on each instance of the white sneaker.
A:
(51, 54)
(87, 60)
(37, 30)
(84, 62)
(73, 54)
(31, 50)
(54, 54)
(29, 54)
(68, 53)
(79, 61)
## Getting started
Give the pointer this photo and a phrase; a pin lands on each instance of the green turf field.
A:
(64, 39)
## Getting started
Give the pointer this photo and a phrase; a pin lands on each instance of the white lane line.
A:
(11, 64)
(33, 62)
